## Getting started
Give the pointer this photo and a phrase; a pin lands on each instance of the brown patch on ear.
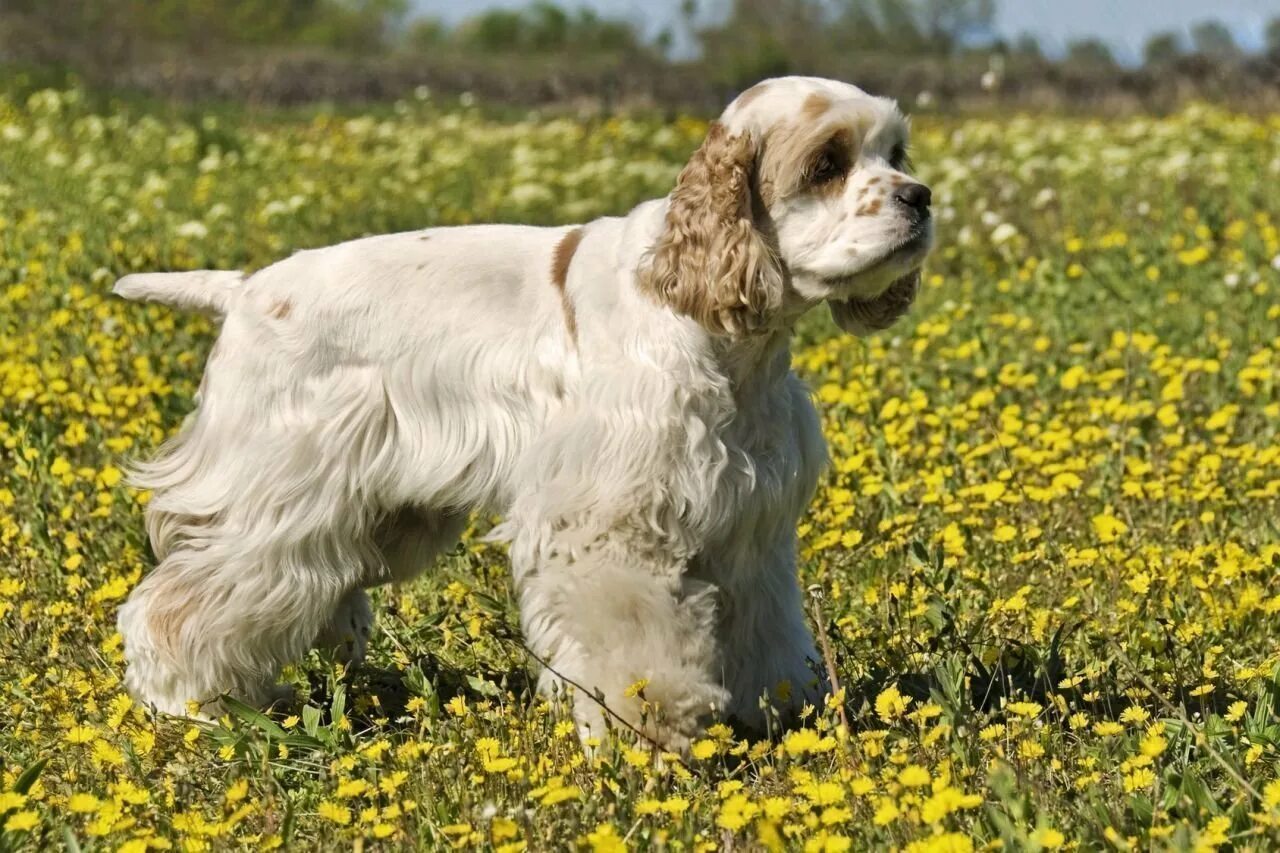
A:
(560, 260)
(711, 263)
(751, 94)
(814, 107)
(280, 308)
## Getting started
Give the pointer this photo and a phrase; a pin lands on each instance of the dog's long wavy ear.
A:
(711, 262)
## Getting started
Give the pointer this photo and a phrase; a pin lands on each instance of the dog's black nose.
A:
(915, 196)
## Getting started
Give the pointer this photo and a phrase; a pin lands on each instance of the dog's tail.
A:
(210, 291)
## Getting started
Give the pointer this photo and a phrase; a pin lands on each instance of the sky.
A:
(1124, 24)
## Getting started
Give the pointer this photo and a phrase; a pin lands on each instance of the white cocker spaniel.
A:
(619, 391)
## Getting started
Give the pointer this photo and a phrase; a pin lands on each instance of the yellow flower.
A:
(82, 803)
(914, 776)
(82, 734)
(605, 839)
(801, 741)
(1135, 715)
(675, 806)
(1048, 838)
(947, 842)
(886, 812)
(1138, 779)
(561, 794)
(1152, 745)
(891, 704)
(333, 812)
(21, 821)
(704, 749)
(1271, 795)
(636, 688)
(1108, 528)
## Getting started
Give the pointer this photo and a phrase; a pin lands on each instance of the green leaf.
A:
(338, 706)
(253, 718)
(29, 776)
(311, 719)
(69, 840)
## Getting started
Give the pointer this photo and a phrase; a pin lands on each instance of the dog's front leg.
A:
(625, 628)
(770, 663)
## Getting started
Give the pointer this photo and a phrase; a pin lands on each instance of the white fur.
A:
(363, 399)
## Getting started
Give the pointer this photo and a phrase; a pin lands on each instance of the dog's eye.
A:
(825, 169)
(899, 159)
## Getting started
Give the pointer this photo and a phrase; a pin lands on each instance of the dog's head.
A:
(799, 194)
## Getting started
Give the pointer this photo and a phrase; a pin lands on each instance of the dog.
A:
(620, 392)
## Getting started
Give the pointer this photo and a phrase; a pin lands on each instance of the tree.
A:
(1028, 46)
(1162, 48)
(1212, 38)
(762, 38)
(1273, 36)
(947, 22)
(544, 27)
(1090, 52)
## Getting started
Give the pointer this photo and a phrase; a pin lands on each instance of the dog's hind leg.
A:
(410, 539)
(247, 584)
(407, 542)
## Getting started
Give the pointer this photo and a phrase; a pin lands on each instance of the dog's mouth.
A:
(862, 315)
(898, 260)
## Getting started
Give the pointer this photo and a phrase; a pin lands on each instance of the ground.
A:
(1044, 560)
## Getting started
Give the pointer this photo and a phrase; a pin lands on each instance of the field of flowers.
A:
(1046, 559)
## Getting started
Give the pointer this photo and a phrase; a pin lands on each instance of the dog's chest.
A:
(775, 453)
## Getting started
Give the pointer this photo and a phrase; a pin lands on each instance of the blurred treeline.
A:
(943, 52)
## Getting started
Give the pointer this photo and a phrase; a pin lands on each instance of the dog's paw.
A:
(349, 629)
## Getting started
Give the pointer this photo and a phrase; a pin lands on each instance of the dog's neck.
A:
(756, 362)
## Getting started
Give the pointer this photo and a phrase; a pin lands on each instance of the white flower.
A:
(527, 194)
(1003, 233)
(193, 228)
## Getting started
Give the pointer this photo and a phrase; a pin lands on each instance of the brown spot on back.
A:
(560, 260)
(425, 237)
(815, 106)
(281, 308)
(751, 94)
